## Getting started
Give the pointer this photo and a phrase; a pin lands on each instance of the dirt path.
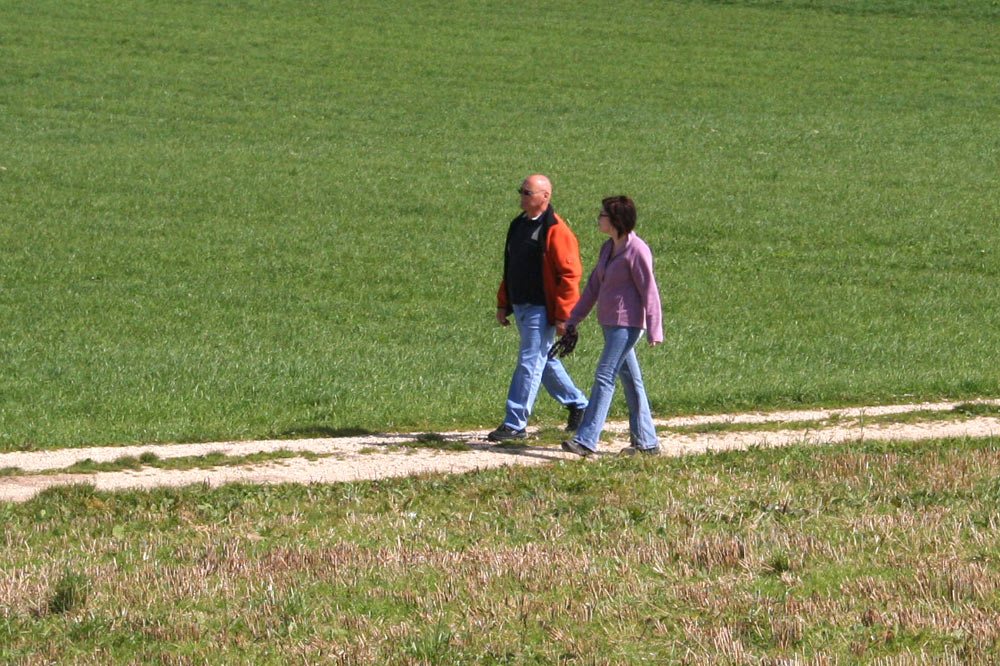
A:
(389, 455)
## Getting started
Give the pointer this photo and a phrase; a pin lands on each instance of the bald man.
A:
(540, 286)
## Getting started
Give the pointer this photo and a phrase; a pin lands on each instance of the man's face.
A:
(534, 197)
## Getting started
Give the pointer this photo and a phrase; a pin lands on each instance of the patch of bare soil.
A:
(389, 455)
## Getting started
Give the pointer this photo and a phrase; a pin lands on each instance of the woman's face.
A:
(604, 224)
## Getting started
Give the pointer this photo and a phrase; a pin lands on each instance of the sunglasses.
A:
(521, 190)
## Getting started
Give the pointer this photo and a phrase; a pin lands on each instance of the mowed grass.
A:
(859, 554)
(258, 219)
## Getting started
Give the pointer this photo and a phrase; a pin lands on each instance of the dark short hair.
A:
(621, 211)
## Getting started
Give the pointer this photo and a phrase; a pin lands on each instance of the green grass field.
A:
(258, 219)
(266, 219)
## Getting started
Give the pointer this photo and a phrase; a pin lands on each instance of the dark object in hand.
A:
(565, 345)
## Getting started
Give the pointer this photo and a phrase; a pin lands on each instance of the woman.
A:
(624, 289)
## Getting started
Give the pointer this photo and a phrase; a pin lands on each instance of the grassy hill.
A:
(229, 220)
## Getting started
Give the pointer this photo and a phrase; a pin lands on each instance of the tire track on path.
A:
(370, 457)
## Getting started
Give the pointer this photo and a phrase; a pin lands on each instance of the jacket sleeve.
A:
(564, 259)
(502, 299)
(645, 283)
(502, 296)
(587, 299)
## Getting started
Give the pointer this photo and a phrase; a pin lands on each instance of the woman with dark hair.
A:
(628, 303)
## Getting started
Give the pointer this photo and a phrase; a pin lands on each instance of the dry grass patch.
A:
(845, 554)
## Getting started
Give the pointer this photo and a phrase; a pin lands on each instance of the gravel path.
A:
(389, 455)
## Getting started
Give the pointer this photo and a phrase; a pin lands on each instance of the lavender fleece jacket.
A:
(624, 289)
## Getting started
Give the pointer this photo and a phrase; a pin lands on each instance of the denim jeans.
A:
(618, 359)
(534, 367)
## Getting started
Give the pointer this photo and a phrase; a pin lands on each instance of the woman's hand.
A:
(566, 344)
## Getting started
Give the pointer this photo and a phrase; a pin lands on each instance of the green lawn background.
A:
(227, 220)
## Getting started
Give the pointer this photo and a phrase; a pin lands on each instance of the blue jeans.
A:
(618, 359)
(534, 367)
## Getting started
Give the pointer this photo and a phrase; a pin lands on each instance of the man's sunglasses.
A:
(521, 190)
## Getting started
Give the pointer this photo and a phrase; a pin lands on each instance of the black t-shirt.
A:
(524, 267)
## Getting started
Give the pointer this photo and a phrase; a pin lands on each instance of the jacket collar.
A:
(546, 217)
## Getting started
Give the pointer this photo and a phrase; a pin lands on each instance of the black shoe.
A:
(505, 433)
(633, 451)
(578, 449)
(575, 416)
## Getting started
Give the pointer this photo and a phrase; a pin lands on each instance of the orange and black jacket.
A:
(561, 268)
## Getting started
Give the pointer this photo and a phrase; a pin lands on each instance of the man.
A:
(540, 286)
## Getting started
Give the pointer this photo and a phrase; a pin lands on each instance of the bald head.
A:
(536, 191)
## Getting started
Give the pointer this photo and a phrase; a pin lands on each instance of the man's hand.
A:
(560, 327)
(502, 317)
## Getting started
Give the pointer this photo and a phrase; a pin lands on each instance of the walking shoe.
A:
(505, 433)
(577, 448)
(633, 451)
(575, 416)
